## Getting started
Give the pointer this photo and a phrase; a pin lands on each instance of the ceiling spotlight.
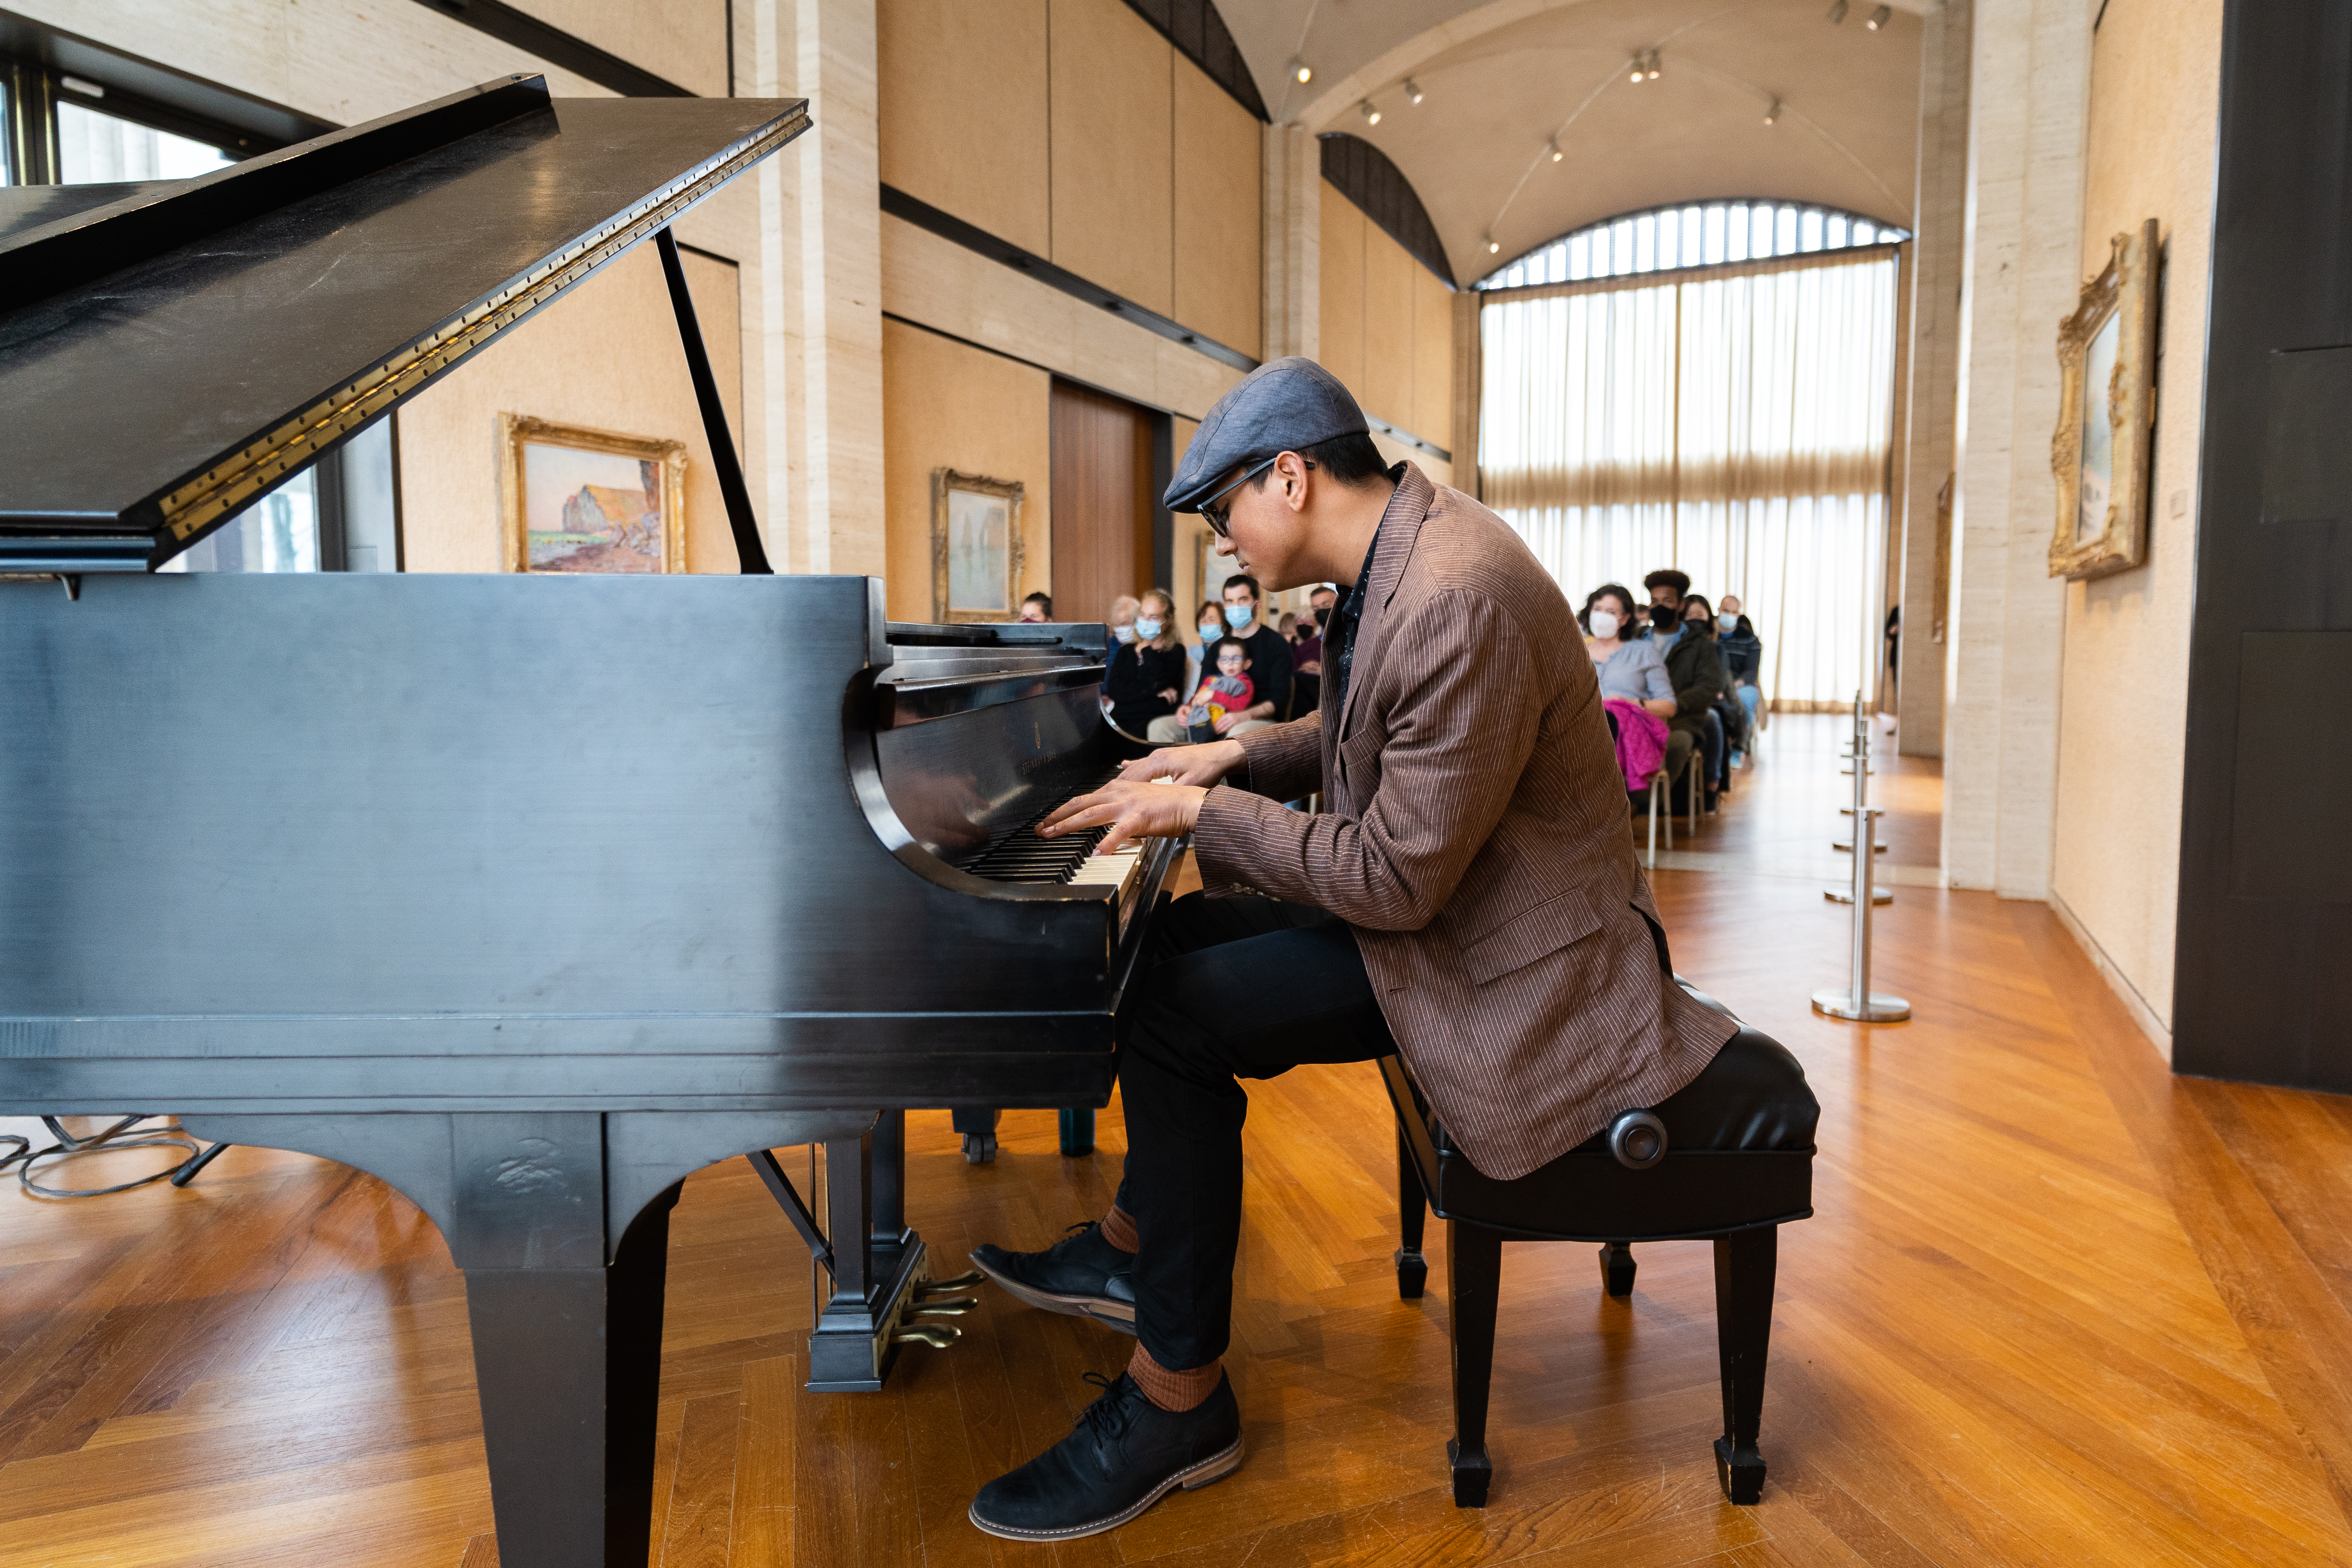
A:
(1412, 93)
(1772, 115)
(1371, 115)
(1552, 147)
(1879, 19)
(1837, 12)
(1302, 73)
(1493, 245)
(1636, 70)
(1654, 64)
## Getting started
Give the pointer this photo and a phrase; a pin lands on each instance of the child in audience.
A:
(1222, 695)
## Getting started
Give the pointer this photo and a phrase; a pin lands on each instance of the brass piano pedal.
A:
(955, 1309)
(948, 1287)
(939, 1336)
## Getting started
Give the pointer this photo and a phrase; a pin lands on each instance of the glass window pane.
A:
(279, 532)
(99, 149)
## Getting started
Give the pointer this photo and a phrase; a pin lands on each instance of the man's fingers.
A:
(1118, 835)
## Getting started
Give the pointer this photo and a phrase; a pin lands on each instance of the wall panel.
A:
(1386, 391)
(1219, 154)
(1341, 289)
(1432, 418)
(948, 405)
(963, 111)
(1112, 144)
(681, 41)
(1102, 501)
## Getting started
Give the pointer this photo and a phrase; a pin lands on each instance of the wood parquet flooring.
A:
(2056, 1307)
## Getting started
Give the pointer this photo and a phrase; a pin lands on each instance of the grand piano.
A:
(528, 895)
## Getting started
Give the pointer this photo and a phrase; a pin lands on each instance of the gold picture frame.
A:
(976, 547)
(586, 516)
(2106, 413)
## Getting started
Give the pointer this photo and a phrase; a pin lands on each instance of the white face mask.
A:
(1211, 631)
(1729, 623)
(1124, 634)
(1604, 625)
(1146, 628)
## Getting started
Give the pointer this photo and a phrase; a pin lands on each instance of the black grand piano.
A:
(528, 895)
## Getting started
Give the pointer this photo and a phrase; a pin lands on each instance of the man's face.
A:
(1239, 593)
(1732, 606)
(1263, 533)
(1323, 601)
(1664, 594)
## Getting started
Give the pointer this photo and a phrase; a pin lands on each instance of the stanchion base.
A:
(1837, 1002)
(1845, 895)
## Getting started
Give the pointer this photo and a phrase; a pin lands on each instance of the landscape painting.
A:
(593, 502)
(976, 550)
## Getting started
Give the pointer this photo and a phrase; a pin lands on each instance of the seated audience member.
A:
(1269, 665)
(1210, 622)
(1698, 621)
(1634, 688)
(1666, 588)
(1121, 619)
(1037, 607)
(1288, 627)
(1225, 695)
(1696, 670)
(1306, 653)
(1146, 678)
(1743, 661)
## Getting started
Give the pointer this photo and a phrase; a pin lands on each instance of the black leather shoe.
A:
(1123, 1455)
(1082, 1275)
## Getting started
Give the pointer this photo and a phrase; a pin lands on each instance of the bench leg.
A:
(1744, 1267)
(1412, 1207)
(1617, 1269)
(1474, 1280)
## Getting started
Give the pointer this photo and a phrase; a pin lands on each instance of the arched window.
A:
(1694, 234)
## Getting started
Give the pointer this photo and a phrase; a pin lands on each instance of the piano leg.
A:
(568, 1361)
(877, 1262)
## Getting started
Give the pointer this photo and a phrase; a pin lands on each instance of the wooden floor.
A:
(2056, 1306)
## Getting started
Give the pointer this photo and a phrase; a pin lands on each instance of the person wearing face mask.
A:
(1121, 619)
(1698, 637)
(1270, 665)
(1743, 661)
(1633, 686)
(1306, 653)
(1147, 671)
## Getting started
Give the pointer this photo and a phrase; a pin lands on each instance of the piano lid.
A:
(169, 356)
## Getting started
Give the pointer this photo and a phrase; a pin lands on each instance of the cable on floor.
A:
(126, 1133)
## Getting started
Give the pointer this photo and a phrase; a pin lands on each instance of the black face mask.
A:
(1664, 618)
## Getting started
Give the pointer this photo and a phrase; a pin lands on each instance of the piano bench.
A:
(1737, 1164)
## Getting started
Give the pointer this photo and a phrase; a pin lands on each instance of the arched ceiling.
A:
(1501, 76)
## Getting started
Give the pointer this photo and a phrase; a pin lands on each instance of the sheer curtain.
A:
(1736, 428)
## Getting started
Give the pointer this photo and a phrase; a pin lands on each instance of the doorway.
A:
(1104, 452)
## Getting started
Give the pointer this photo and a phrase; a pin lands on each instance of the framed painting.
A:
(584, 500)
(976, 550)
(1215, 569)
(2106, 413)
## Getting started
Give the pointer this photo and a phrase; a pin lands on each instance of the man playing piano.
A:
(1468, 897)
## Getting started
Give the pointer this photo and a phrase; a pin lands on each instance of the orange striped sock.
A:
(1118, 1229)
(1173, 1390)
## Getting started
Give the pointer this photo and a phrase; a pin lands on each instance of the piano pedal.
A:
(979, 1148)
(965, 1281)
(949, 1308)
(939, 1336)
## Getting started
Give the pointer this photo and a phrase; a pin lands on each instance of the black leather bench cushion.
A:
(1740, 1149)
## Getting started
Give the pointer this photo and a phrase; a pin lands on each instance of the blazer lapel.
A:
(1399, 527)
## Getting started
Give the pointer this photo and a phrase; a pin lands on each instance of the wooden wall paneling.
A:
(681, 41)
(1341, 289)
(1433, 358)
(1112, 148)
(1102, 477)
(1184, 548)
(1386, 391)
(1218, 243)
(948, 405)
(964, 111)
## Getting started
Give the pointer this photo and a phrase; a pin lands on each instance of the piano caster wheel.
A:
(979, 1148)
(1413, 1273)
(1472, 1474)
(1617, 1269)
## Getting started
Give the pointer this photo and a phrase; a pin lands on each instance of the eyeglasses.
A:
(1219, 518)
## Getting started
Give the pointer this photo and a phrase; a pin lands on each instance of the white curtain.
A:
(1736, 428)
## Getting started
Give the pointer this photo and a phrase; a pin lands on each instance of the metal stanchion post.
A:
(1856, 1001)
(1860, 752)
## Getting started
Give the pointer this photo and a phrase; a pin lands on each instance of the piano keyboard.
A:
(1022, 857)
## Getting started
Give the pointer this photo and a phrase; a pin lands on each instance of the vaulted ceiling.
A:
(1499, 78)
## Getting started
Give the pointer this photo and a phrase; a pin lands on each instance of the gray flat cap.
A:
(1280, 407)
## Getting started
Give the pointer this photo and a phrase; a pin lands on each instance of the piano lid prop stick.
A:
(749, 551)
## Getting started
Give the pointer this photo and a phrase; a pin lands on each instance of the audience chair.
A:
(1662, 786)
(1726, 1159)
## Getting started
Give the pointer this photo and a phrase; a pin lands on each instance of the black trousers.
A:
(1230, 988)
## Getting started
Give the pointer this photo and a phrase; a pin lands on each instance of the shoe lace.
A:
(1108, 1416)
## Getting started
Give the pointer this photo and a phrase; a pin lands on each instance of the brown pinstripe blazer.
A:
(1475, 835)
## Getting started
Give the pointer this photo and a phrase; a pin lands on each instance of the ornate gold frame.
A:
(1011, 492)
(2125, 289)
(515, 429)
